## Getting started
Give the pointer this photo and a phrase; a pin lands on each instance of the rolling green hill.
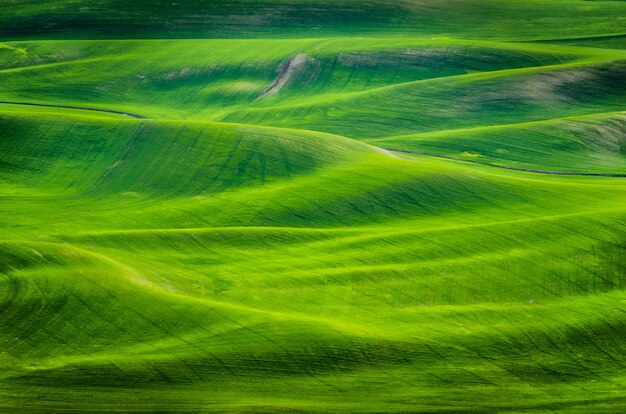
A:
(312, 207)
(495, 19)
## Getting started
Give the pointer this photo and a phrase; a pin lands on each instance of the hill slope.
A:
(286, 220)
(497, 19)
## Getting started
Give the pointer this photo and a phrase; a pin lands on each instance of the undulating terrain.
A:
(300, 206)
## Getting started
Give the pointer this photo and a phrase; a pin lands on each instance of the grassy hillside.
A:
(497, 19)
(312, 207)
(583, 144)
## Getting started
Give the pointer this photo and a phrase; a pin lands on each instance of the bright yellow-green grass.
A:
(312, 207)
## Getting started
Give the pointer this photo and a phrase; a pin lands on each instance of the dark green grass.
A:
(499, 19)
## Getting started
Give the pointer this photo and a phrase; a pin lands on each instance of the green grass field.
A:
(299, 206)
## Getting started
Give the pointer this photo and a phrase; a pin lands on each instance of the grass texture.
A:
(312, 207)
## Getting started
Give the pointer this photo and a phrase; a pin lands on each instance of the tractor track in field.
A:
(506, 167)
(82, 108)
(284, 74)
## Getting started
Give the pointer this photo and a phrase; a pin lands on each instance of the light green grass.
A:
(231, 253)
(591, 144)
